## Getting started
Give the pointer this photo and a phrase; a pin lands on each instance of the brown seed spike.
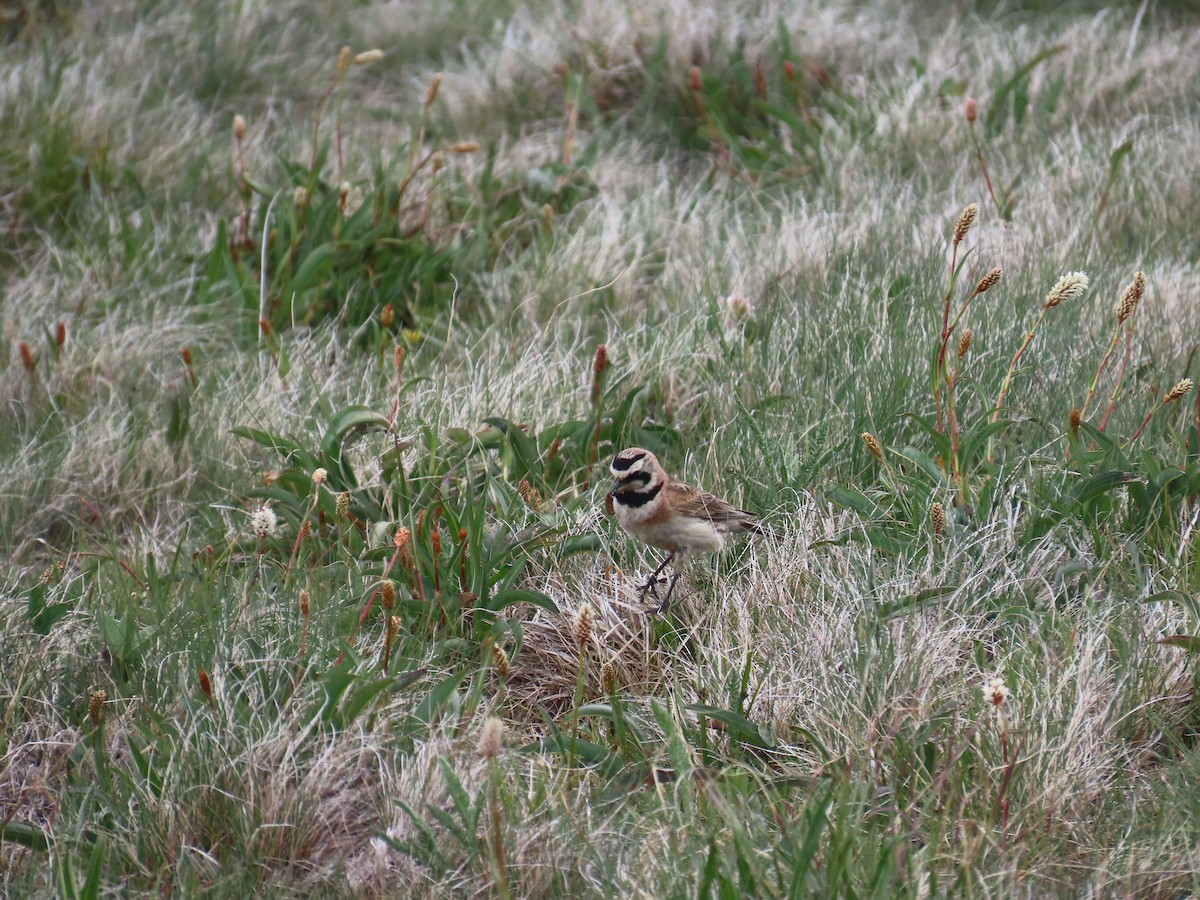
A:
(971, 110)
(434, 87)
(964, 342)
(388, 595)
(1181, 388)
(205, 686)
(584, 620)
(989, 280)
(1131, 297)
(96, 701)
(872, 445)
(608, 677)
(343, 504)
(501, 662)
(491, 738)
(600, 363)
(1074, 420)
(966, 219)
(937, 515)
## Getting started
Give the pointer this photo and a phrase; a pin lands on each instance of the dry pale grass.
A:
(644, 264)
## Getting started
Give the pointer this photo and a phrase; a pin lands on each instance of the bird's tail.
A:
(764, 530)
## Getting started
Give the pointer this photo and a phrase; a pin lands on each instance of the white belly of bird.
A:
(681, 533)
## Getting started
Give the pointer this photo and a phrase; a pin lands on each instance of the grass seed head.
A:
(966, 219)
(971, 110)
(530, 494)
(320, 476)
(239, 127)
(434, 87)
(27, 359)
(1075, 420)
(872, 445)
(937, 515)
(343, 504)
(491, 738)
(989, 280)
(305, 603)
(96, 701)
(500, 661)
(740, 307)
(1181, 388)
(367, 57)
(60, 334)
(387, 316)
(264, 522)
(205, 684)
(1070, 287)
(387, 595)
(995, 692)
(1132, 296)
(608, 677)
(464, 147)
(600, 362)
(964, 342)
(584, 621)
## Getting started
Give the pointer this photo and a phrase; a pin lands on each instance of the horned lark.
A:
(668, 514)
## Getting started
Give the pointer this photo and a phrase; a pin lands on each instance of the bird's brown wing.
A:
(691, 501)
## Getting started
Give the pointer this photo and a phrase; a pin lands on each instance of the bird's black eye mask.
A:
(634, 498)
(633, 482)
(621, 463)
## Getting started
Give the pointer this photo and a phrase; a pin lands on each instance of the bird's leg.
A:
(666, 604)
(651, 585)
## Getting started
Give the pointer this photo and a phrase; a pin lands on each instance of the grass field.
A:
(313, 360)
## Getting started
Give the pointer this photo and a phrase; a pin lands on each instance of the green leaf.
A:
(738, 726)
(520, 595)
(179, 411)
(677, 748)
(315, 267)
(976, 437)
(890, 609)
(941, 442)
(26, 835)
(348, 423)
(433, 704)
(1188, 642)
(1102, 483)
(284, 447)
(1187, 601)
(95, 872)
(458, 793)
(815, 820)
(850, 498)
(927, 465)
